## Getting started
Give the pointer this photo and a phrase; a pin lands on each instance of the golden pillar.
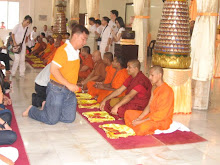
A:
(172, 48)
(74, 13)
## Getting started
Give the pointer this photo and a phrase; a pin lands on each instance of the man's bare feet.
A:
(7, 127)
(25, 113)
(43, 104)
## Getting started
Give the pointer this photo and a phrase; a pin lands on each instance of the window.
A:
(9, 14)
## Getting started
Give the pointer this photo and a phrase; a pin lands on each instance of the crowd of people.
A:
(145, 104)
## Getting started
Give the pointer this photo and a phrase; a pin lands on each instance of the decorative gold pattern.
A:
(171, 61)
(98, 116)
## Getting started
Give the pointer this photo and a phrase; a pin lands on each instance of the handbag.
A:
(17, 49)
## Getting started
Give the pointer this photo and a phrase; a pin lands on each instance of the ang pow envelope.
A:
(89, 106)
(86, 101)
(98, 116)
(115, 131)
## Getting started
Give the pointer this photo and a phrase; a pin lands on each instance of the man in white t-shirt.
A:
(18, 33)
(33, 36)
(45, 31)
(41, 82)
(112, 24)
(98, 31)
(105, 35)
(92, 28)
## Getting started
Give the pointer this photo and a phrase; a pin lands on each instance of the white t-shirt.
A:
(34, 35)
(45, 32)
(99, 29)
(43, 77)
(18, 32)
(105, 35)
(113, 26)
(44, 40)
(119, 32)
(92, 28)
(10, 153)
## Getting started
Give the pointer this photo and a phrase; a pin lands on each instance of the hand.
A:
(73, 87)
(102, 105)
(100, 86)
(136, 122)
(7, 101)
(114, 110)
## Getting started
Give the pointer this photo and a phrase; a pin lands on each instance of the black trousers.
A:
(39, 96)
(5, 58)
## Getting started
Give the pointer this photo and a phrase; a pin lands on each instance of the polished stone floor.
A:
(79, 144)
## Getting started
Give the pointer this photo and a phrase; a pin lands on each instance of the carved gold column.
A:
(74, 13)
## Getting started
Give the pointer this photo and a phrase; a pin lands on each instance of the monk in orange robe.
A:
(117, 81)
(137, 88)
(48, 50)
(110, 71)
(87, 63)
(57, 44)
(40, 46)
(98, 73)
(159, 112)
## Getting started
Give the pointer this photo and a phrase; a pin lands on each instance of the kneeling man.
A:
(159, 112)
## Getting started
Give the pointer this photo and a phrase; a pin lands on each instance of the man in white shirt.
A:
(105, 35)
(41, 82)
(92, 28)
(112, 24)
(18, 33)
(34, 35)
(45, 31)
(98, 32)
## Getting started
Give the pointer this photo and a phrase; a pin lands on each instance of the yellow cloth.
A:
(87, 101)
(98, 116)
(80, 96)
(115, 131)
(89, 106)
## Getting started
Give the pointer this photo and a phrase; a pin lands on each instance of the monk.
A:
(159, 112)
(110, 71)
(117, 81)
(87, 63)
(137, 96)
(98, 73)
(41, 47)
(57, 44)
(48, 50)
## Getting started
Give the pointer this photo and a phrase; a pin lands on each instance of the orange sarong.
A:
(160, 115)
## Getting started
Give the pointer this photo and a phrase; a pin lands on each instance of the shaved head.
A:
(158, 69)
(109, 56)
(135, 63)
(96, 56)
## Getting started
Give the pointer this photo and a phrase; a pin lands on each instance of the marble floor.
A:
(79, 144)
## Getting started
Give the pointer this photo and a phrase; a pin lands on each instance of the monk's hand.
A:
(73, 87)
(136, 122)
(114, 110)
(100, 86)
(102, 105)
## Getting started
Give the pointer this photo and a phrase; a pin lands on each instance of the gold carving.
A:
(171, 61)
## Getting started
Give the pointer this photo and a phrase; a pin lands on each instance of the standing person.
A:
(112, 24)
(92, 28)
(61, 100)
(34, 35)
(104, 45)
(45, 31)
(18, 33)
(121, 26)
(98, 32)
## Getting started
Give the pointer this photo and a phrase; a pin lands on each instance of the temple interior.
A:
(192, 71)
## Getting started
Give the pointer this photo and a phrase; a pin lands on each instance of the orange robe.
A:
(48, 50)
(116, 83)
(110, 71)
(37, 45)
(160, 115)
(88, 62)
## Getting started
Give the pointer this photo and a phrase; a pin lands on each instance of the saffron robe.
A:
(116, 83)
(86, 62)
(160, 115)
(110, 71)
(143, 86)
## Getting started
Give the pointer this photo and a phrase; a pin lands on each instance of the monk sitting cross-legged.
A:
(159, 112)
(110, 71)
(48, 50)
(87, 63)
(138, 92)
(98, 72)
(40, 47)
(117, 81)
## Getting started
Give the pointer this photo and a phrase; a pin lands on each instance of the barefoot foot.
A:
(43, 104)
(25, 113)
